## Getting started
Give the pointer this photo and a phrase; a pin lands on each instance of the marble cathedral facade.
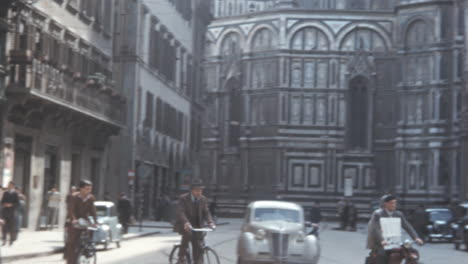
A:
(309, 99)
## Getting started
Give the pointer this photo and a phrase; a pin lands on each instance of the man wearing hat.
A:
(192, 212)
(375, 239)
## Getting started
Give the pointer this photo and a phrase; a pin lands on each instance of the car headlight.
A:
(466, 227)
(454, 226)
(300, 237)
(105, 227)
(260, 234)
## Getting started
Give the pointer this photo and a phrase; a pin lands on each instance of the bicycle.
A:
(209, 255)
(87, 248)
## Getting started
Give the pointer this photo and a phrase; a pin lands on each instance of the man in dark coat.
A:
(124, 208)
(420, 221)
(81, 205)
(192, 212)
(315, 213)
(10, 202)
(375, 239)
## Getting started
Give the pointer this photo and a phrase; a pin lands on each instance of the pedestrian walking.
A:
(315, 213)
(68, 200)
(213, 208)
(420, 221)
(343, 213)
(124, 208)
(9, 203)
(20, 210)
(53, 205)
(352, 216)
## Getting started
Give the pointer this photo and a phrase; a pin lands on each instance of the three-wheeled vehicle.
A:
(460, 226)
(109, 229)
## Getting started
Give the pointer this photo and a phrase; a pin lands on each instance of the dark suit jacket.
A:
(374, 232)
(187, 212)
(9, 197)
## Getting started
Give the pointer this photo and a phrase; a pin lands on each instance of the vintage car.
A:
(460, 226)
(275, 232)
(109, 228)
(438, 224)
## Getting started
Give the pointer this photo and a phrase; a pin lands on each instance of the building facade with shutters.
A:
(159, 49)
(317, 99)
(61, 104)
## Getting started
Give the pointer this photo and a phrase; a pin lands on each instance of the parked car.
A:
(438, 224)
(109, 228)
(460, 226)
(275, 232)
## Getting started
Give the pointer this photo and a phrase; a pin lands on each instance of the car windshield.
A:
(441, 216)
(101, 211)
(276, 214)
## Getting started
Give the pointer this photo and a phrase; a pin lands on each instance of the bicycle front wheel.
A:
(87, 255)
(174, 256)
(210, 256)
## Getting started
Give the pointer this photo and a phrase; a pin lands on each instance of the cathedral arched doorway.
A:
(235, 112)
(358, 122)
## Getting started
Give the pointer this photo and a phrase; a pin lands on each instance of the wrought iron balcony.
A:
(96, 97)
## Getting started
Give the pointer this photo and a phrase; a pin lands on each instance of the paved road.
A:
(338, 247)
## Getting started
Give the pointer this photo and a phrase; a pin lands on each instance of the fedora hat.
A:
(197, 183)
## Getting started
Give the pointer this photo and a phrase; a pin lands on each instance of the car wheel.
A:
(117, 244)
(457, 245)
(108, 240)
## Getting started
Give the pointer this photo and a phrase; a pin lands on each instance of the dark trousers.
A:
(10, 224)
(72, 244)
(124, 220)
(197, 250)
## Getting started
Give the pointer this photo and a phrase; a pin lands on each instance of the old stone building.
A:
(159, 49)
(315, 99)
(61, 105)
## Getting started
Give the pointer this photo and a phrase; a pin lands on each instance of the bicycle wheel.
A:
(174, 256)
(87, 255)
(210, 256)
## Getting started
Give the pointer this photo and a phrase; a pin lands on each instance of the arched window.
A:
(263, 40)
(363, 39)
(308, 39)
(358, 105)
(418, 34)
(230, 44)
(235, 112)
(357, 4)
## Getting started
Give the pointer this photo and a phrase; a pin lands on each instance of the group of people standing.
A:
(13, 203)
(348, 214)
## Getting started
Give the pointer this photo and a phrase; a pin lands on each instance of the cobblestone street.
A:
(338, 247)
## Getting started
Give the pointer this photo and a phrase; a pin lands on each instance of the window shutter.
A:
(78, 63)
(31, 39)
(64, 57)
(45, 50)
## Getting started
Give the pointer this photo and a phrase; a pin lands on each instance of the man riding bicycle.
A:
(192, 212)
(81, 205)
(375, 239)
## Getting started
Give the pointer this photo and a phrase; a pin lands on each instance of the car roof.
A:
(274, 204)
(437, 210)
(103, 203)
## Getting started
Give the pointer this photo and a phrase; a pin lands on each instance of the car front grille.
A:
(279, 243)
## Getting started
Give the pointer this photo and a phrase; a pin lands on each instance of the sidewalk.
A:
(32, 244)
